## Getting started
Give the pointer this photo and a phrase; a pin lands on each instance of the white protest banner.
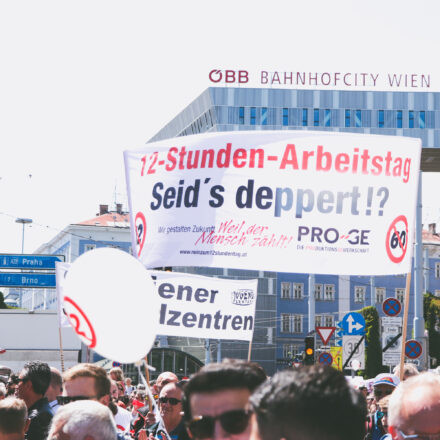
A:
(339, 203)
(205, 307)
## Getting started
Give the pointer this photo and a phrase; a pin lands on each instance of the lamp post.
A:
(23, 221)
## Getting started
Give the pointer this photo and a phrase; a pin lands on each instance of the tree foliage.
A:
(2, 301)
(431, 313)
(373, 346)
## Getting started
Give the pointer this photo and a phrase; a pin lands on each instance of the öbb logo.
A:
(229, 76)
(242, 297)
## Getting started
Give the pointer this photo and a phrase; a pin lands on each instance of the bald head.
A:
(165, 378)
(415, 405)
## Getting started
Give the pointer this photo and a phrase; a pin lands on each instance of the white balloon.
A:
(111, 302)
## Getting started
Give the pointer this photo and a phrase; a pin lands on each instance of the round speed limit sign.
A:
(397, 239)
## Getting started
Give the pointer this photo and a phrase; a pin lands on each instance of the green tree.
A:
(431, 313)
(2, 301)
(373, 347)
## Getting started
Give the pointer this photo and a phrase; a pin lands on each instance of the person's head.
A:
(170, 404)
(56, 385)
(384, 384)
(409, 370)
(308, 403)
(3, 391)
(216, 399)
(33, 382)
(83, 420)
(128, 382)
(114, 394)
(414, 407)
(13, 418)
(164, 379)
(116, 374)
(383, 411)
(87, 381)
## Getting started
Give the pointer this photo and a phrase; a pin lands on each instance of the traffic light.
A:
(309, 358)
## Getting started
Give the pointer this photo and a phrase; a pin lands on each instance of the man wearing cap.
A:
(383, 385)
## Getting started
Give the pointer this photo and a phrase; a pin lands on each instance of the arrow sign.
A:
(325, 333)
(339, 343)
(353, 324)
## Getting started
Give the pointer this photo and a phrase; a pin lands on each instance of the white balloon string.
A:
(153, 402)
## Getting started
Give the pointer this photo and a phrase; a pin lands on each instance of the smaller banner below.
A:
(204, 307)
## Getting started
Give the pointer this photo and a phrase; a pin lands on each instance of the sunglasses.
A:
(420, 436)
(171, 400)
(64, 400)
(233, 422)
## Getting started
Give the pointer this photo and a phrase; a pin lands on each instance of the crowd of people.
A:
(233, 399)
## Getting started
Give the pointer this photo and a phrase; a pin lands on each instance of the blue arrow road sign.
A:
(34, 262)
(353, 324)
(338, 342)
(17, 279)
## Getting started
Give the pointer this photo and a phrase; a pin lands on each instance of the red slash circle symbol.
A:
(141, 230)
(396, 242)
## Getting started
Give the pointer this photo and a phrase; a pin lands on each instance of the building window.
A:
(316, 117)
(291, 323)
(328, 321)
(358, 118)
(285, 116)
(437, 270)
(318, 292)
(304, 117)
(347, 118)
(327, 117)
(329, 292)
(253, 115)
(264, 116)
(241, 115)
(381, 119)
(421, 119)
(298, 290)
(411, 119)
(359, 294)
(400, 295)
(290, 350)
(317, 321)
(380, 295)
(286, 292)
(399, 119)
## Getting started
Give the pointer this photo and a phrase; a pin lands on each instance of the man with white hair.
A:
(414, 408)
(83, 420)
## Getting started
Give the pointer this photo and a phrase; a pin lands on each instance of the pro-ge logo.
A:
(242, 297)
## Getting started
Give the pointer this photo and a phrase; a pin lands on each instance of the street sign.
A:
(325, 333)
(35, 262)
(392, 355)
(338, 342)
(348, 345)
(391, 321)
(336, 353)
(325, 358)
(391, 307)
(413, 349)
(353, 324)
(21, 279)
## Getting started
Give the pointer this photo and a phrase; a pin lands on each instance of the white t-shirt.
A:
(123, 419)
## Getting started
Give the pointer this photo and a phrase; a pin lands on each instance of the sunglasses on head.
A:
(232, 422)
(64, 400)
(170, 400)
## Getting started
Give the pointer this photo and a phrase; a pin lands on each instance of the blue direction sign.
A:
(35, 262)
(325, 358)
(413, 349)
(391, 307)
(19, 279)
(353, 324)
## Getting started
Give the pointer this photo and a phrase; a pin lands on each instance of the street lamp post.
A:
(23, 221)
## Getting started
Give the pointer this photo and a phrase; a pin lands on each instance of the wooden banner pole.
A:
(405, 323)
(250, 350)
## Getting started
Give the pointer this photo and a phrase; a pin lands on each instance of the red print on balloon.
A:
(79, 321)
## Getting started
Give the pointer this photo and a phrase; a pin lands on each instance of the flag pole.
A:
(405, 323)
